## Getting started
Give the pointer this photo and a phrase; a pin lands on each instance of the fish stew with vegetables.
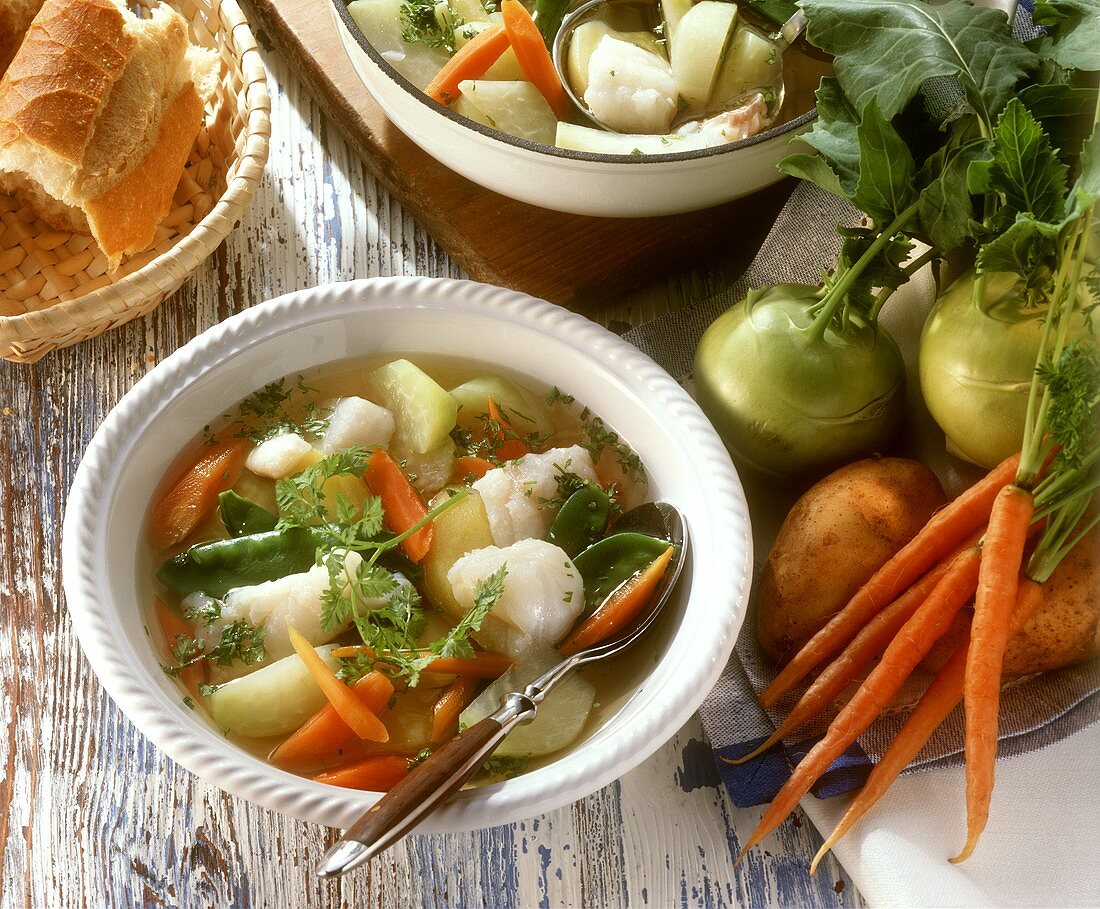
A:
(355, 565)
(640, 78)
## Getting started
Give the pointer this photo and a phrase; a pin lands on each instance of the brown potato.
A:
(836, 536)
(1065, 628)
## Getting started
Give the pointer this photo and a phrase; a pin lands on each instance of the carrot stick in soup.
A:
(180, 510)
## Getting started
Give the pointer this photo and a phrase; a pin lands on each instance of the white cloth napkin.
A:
(1041, 848)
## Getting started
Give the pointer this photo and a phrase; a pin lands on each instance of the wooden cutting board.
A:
(568, 259)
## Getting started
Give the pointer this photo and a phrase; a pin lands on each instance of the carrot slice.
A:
(174, 626)
(451, 703)
(325, 733)
(1002, 554)
(905, 652)
(621, 608)
(180, 510)
(509, 449)
(534, 59)
(351, 710)
(483, 665)
(946, 529)
(402, 504)
(469, 466)
(938, 700)
(471, 61)
(379, 773)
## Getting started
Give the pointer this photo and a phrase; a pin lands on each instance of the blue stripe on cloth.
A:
(757, 782)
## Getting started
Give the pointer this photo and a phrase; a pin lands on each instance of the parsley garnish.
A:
(419, 23)
(505, 766)
(556, 394)
(598, 438)
(239, 641)
(268, 412)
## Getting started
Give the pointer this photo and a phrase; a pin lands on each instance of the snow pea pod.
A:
(614, 559)
(581, 521)
(216, 568)
(243, 517)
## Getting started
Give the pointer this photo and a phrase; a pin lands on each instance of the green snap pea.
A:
(614, 559)
(581, 521)
(243, 517)
(216, 568)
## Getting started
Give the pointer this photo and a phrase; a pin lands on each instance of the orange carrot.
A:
(946, 529)
(510, 449)
(363, 722)
(469, 466)
(450, 704)
(173, 626)
(325, 733)
(379, 773)
(905, 652)
(865, 646)
(182, 508)
(534, 59)
(483, 664)
(621, 608)
(939, 699)
(471, 61)
(1002, 555)
(402, 504)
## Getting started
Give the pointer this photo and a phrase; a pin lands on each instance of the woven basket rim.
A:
(206, 236)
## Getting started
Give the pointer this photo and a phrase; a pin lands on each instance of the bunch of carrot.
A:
(976, 547)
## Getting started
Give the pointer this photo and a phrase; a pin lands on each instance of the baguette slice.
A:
(98, 113)
(15, 19)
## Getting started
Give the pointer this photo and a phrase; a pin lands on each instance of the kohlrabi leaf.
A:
(834, 133)
(1024, 170)
(946, 208)
(1073, 32)
(815, 169)
(1086, 189)
(886, 49)
(1064, 110)
(885, 187)
(884, 270)
(1028, 248)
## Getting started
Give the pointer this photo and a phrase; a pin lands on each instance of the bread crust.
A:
(15, 19)
(124, 219)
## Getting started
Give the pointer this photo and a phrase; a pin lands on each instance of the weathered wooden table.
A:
(92, 815)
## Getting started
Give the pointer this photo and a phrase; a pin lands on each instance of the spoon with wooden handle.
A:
(442, 774)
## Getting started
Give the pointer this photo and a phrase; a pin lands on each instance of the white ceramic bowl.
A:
(610, 186)
(107, 572)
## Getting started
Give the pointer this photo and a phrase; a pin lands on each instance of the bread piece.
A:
(98, 114)
(15, 19)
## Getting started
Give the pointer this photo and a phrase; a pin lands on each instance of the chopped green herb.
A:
(505, 766)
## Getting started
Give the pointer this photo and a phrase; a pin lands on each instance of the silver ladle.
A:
(788, 33)
(435, 780)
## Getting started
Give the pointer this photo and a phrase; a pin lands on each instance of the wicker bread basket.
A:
(54, 286)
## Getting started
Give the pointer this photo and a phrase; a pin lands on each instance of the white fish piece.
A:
(630, 89)
(543, 590)
(280, 456)
(516, 494)
(269, 605)
(357, 422)
(731, 125)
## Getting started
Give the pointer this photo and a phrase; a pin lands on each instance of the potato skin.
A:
(1065, 628)
(835, 537)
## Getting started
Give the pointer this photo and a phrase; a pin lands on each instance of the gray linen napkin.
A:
(1035, 712)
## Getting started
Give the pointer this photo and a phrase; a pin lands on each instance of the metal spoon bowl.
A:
(436, 779)
(788, 33)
